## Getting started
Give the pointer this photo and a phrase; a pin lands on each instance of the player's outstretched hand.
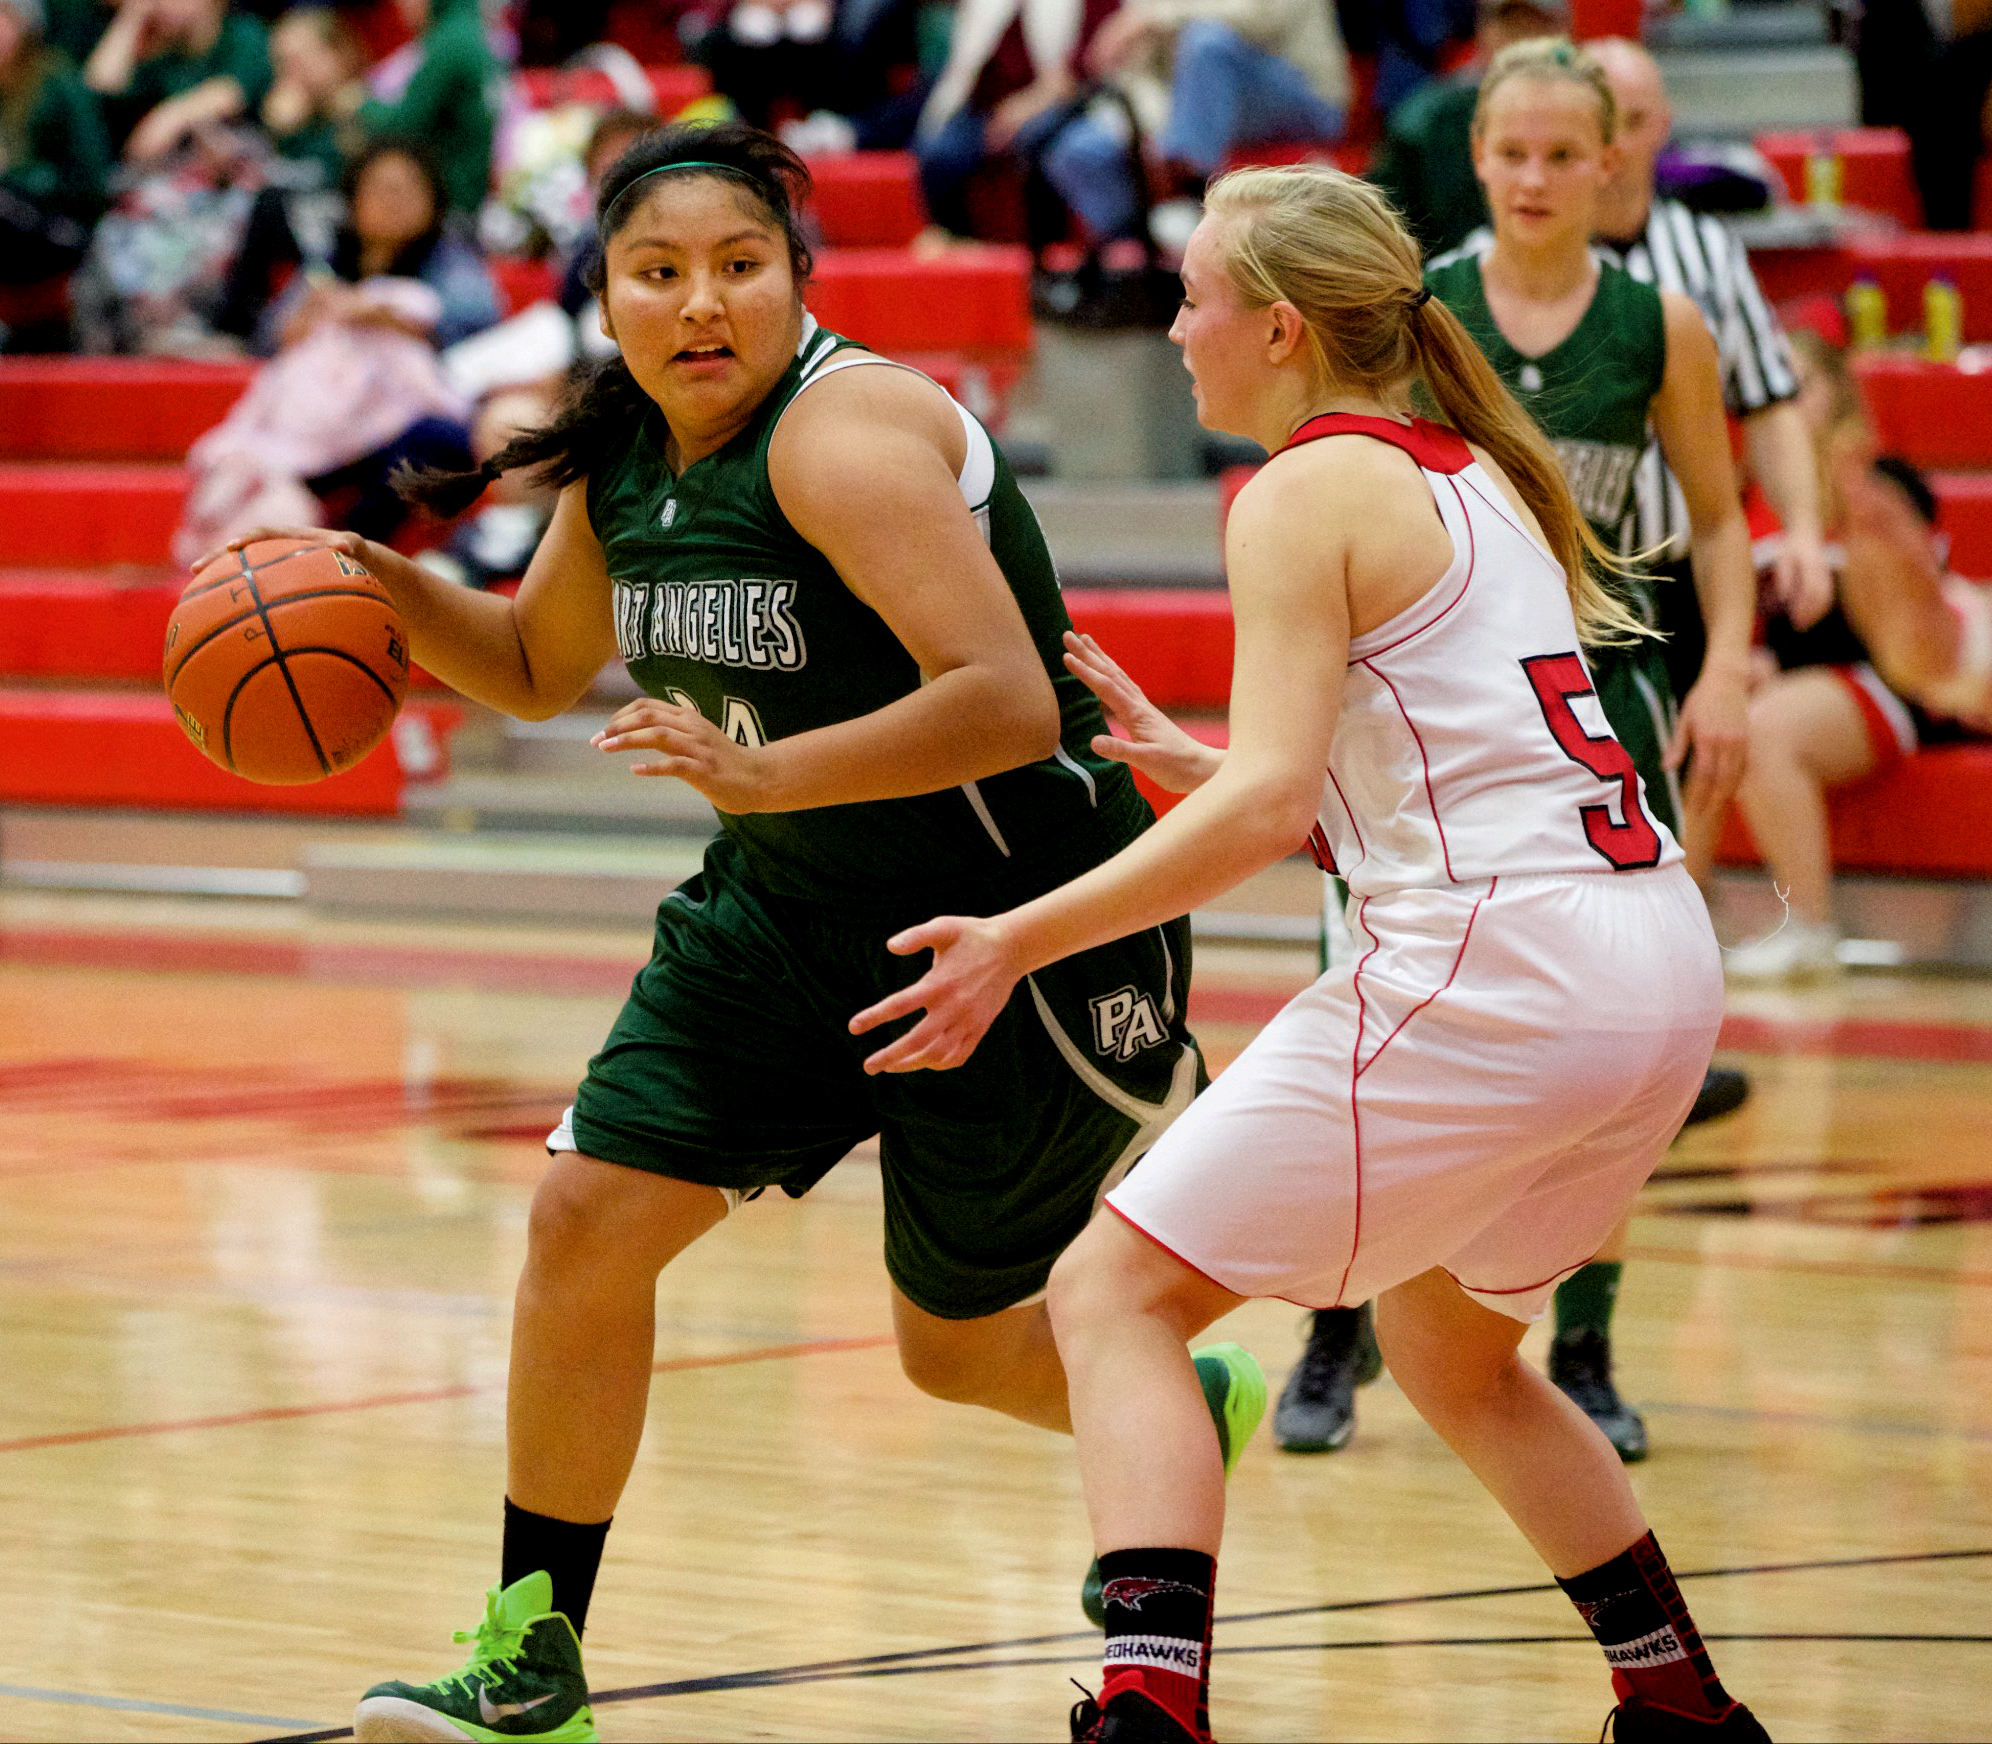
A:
(1155, 745)
(966, 985)
(349, 543)
(733, 776)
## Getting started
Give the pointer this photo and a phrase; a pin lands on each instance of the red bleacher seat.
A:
(868, 199)
(85, 623)
(674, 87)
(1175, 642)
(1874, 167)
(72, 516)
(112, 408)
(1935, 414)
(963, 300)
(113, 748)
(1903, 265)
(1964, 512)
(1345, 154)
(1883, 824)
(520, 283)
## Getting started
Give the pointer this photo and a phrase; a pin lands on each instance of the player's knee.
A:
(944, 1370)
(567, 1222)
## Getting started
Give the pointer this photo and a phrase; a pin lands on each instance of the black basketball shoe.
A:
(1317, 1408)
(1638, 1721)
(1130, 1718)
(1723, 1091)
(1581, 1364)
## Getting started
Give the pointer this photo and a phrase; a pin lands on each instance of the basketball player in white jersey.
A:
(1456, 1120)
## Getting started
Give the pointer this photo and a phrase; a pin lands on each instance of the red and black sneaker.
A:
(1639, 1721)
(1130, 1718)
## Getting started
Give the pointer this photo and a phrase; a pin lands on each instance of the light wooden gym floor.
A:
(263, 1188)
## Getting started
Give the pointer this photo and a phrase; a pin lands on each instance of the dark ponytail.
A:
(603, 403)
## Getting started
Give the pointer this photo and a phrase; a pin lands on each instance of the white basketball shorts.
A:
(1484, 1088)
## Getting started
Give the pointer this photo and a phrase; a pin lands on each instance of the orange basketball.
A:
(285, 661)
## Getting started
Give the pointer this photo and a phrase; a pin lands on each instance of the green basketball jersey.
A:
(1591, 394)
(720, 603)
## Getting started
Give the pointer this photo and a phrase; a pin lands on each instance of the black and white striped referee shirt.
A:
(1697, 255)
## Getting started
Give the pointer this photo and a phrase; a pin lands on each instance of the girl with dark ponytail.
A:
(848, 632)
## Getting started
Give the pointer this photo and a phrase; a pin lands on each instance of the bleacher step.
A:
(602, 880)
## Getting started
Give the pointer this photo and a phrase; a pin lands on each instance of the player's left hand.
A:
(968, 983)
(1714, 726)
(733, 776)
(1802, 579)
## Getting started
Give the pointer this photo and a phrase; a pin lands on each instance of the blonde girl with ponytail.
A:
(1455, 1119)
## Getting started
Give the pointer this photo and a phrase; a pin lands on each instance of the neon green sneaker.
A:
(1234, 1390)
(523, 1681)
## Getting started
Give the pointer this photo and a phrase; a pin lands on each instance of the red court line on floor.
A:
(551, 972)
(1688, 1256)
(428, 1396)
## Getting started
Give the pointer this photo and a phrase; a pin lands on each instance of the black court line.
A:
(938, 1659)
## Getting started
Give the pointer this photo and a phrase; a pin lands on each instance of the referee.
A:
(1662, 242)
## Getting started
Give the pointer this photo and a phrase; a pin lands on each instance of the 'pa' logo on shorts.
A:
(1125, 1022)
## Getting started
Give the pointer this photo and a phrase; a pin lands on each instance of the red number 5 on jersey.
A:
(1556, 678)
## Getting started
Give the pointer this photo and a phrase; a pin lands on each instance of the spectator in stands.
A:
(1893, 671)
(398, 227)
(317, 91)
(447, 101)
(830, 75)
(355, 389)
(1408, 40)
(615, 133)
(1934, 85)
(1204, 77)
(53, 162)
(1425, 163)
(1009, 86)
(166, 71)
(76, 26)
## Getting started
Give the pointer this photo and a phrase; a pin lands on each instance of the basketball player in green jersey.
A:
(849, 632)
(1595, 356)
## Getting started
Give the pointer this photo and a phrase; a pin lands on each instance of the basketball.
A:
(285, 662)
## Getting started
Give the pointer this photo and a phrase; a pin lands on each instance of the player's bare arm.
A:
(1289, 565)
(532, 656)
(1694, 436)
(865, 467)
(1780, 448)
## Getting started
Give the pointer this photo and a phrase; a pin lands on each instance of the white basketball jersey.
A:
(1471, 744)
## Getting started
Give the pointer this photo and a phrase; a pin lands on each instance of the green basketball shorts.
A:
(1637, 696)
(732, 1065)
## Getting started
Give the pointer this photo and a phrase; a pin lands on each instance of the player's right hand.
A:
(351, 544)
(1155, 745)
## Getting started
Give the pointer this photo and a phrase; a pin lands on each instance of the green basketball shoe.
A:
(524, 1681)
(1234, 1390)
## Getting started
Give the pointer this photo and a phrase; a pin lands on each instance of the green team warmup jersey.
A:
(1592, 393)
(720, 603)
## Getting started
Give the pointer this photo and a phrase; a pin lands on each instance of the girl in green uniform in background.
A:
(849, 632)
(1594, 355)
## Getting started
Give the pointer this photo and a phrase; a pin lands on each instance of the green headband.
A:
(690, 163)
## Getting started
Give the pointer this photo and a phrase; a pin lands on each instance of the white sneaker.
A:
(1798, 951)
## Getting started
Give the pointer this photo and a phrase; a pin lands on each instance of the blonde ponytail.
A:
(1330, 245)
(1475, 401)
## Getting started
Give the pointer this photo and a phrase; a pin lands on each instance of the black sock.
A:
(1641, 1621)
(570, 1555)
(1158, 1605)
